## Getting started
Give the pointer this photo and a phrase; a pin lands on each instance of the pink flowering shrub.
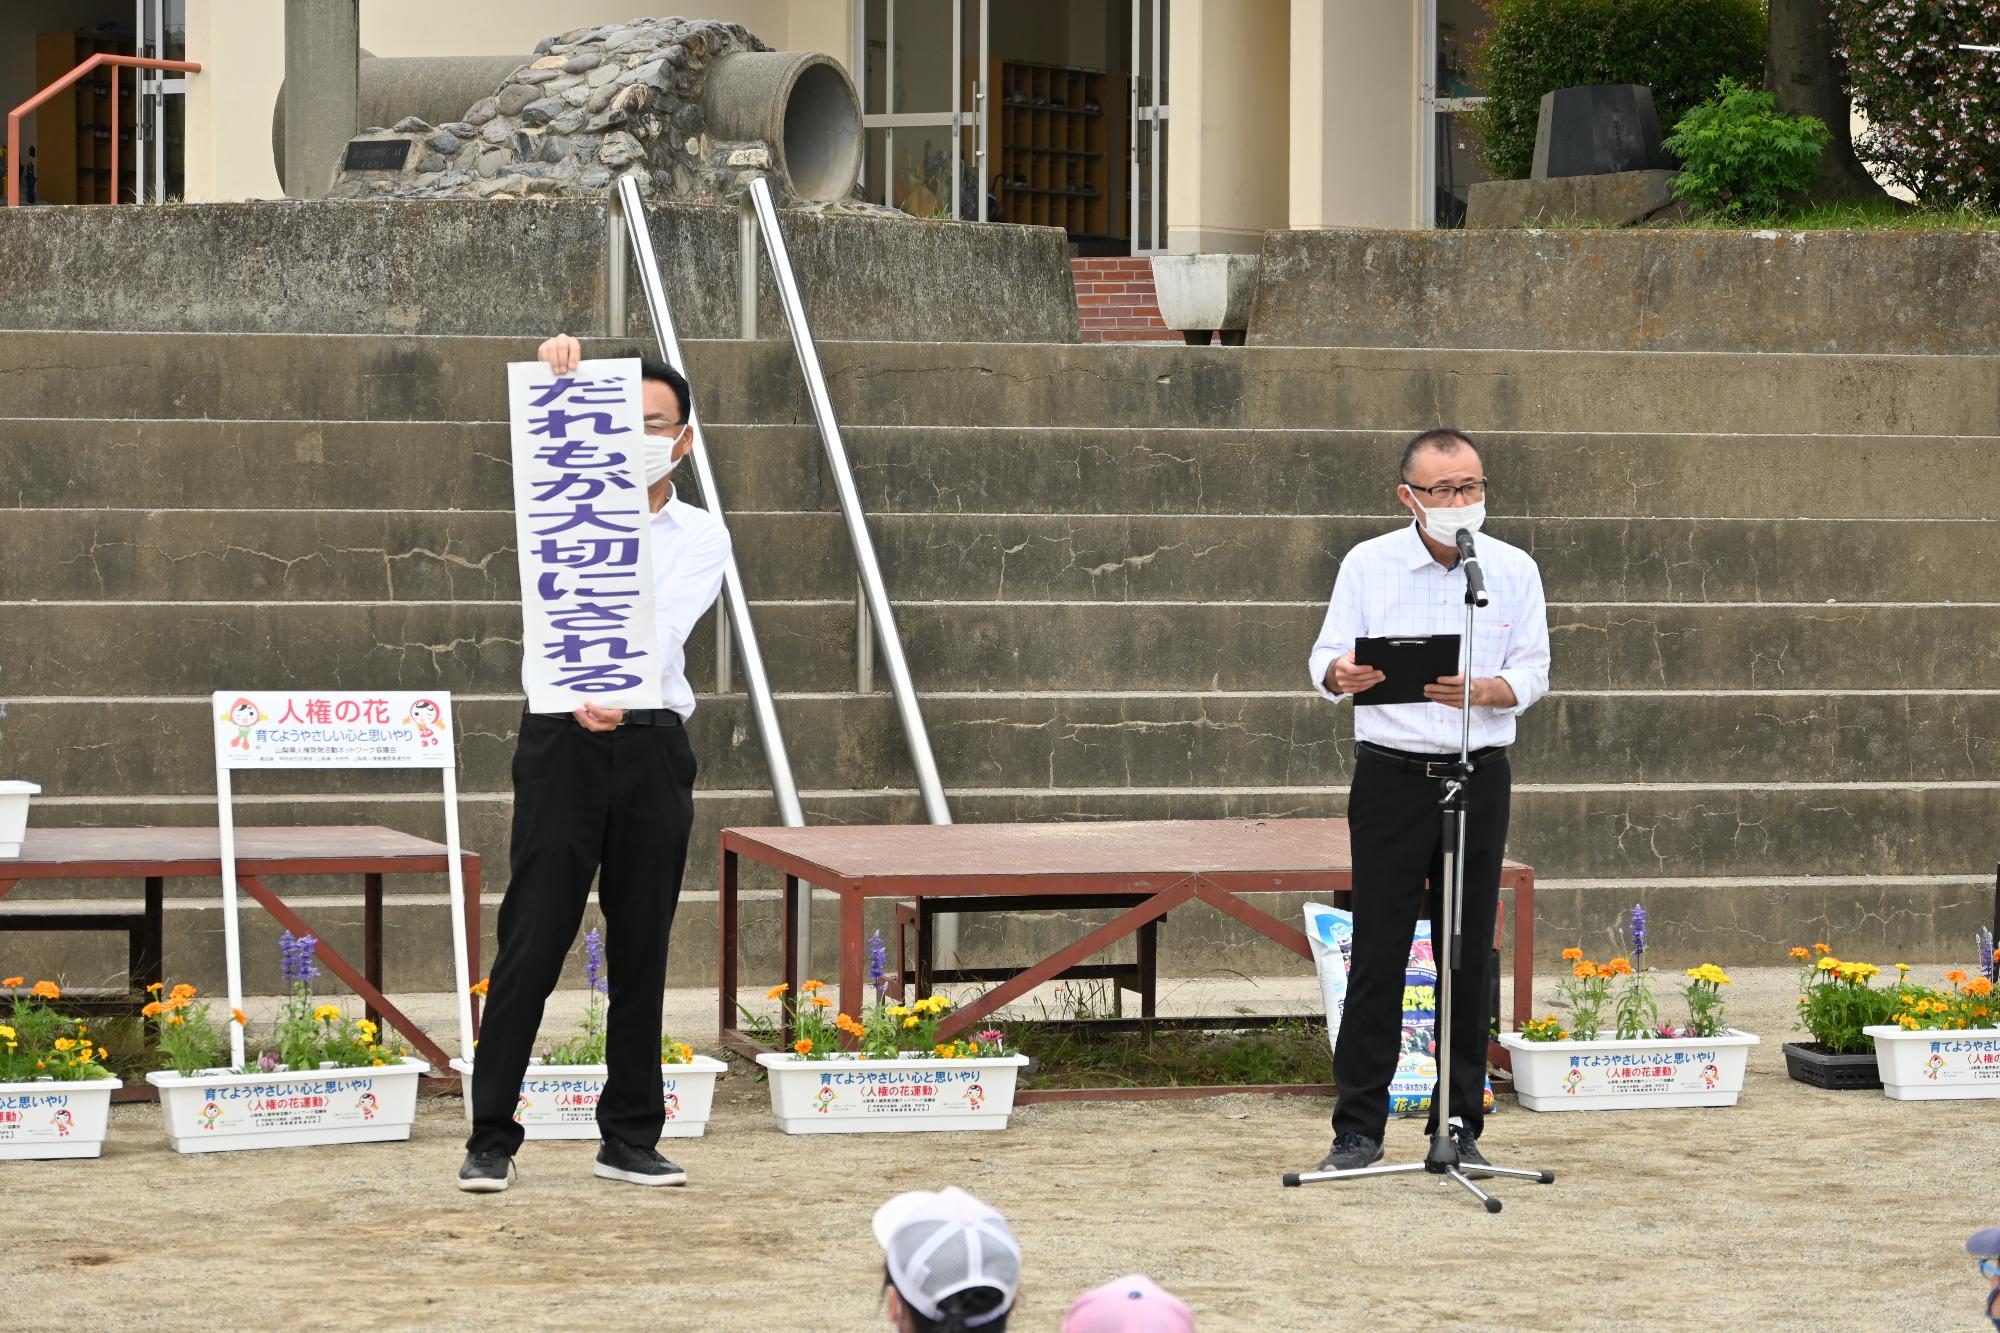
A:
(1933, 110)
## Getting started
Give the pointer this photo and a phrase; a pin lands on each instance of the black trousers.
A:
(617, 806)
(1395, 829)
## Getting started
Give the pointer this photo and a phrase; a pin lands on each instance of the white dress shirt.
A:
(1390, 586)
(690, 549)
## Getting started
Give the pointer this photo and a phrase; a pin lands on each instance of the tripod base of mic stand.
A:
(1442, 1160)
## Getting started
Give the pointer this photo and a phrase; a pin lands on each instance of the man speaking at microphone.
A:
(1404, 583)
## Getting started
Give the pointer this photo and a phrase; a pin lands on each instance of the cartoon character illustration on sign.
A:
(210, 1113)
(672, 1103)
(1572, 1080)
(1934, 1066)
(823, 1103)
(368, 1104)
(974, 1096)
(1710, 1076)
(242, 715)
(428, 719)
(523, 1106)
(64, 1122)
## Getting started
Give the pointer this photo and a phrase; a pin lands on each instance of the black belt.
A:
(652, 717)
(1430, 765)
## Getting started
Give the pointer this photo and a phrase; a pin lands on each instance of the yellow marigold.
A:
(175, 1020)
(103, 1054)
(1828, 964)
(944, 1050)
(46, 990)
(1800, 952)
(6, 1033)
(153, 1010)
(912, 1021)
(972, 1048)
(803, 1045)
(1710, 973)
(481, 986)
(326, 1013)
(1902, 970)
(896, 1011)
(366, 1028)
(1572, 955)
(777, 990)
(13, 981)
(685, 1051)
(65, 1044)
(808, 987)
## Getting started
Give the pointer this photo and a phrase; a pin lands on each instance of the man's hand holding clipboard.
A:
(1407, 669)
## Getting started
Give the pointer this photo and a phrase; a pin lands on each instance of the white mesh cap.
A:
(941, 1242)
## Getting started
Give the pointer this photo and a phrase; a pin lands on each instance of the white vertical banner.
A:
(582, 529)
(267, 729)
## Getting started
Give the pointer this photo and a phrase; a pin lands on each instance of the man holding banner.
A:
(601, 789)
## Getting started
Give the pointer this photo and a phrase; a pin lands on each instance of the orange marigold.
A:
(1956, 976)
(1979, 986)
(236, 1016)
(13, 981)
(46, 990)
(1619, 967)
(1822, 948)
(1571, 955)
(777, 990)
(1800, 951)
(808, 987)
(153, 1010)
(803, 1045)
(1585, 969)
(481, 986)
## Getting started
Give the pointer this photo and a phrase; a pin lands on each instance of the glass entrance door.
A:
(923, 66)
(1147, 144)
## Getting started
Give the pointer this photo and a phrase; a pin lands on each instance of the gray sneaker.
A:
(486, 1172)
(1351, 1152)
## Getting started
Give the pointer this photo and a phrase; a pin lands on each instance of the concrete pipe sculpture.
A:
(436, 89)
(803, 105)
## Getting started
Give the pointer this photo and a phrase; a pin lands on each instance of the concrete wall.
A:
(1230, 120)
(515, 268)
(1919, 292)
(241, 47)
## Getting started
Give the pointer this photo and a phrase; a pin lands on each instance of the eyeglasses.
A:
(1473, 492)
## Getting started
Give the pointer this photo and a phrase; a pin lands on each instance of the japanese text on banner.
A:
(582, 529)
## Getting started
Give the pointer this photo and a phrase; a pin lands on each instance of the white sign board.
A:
(582, 527)
(330, 729)
(269, 729)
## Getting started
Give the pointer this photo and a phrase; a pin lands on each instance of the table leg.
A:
(469, 867)
(725, 993)
(853, 950)
(926, 950)
(371, 938)
(789, 951)
(149, 963)
(1149, 967)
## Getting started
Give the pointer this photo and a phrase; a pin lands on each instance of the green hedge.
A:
(1678, 48)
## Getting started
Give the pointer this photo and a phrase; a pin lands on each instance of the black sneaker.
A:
(486, 1172)
(1469, 1156)
(636, 1166)
(1351, 1152)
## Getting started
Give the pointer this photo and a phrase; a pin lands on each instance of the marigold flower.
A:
(1585, 970)
(326, 1013)
(803, 1045)
(821, 1002)
(13, 981)
(1956, 976)
(1822, 948)
(480, 986)
(103, 1054)
(808, 987)
(65, 1044)
(1799, 951)
(175, 1020)
(1827, 964)
(777, 990)
(1571, 955)
(238, 1017)
(153, 1010)
(183, 991)
(46, 990)
(1902, 969)
(685, 1051)
(6, 1033)
(156, 988)
(1619, 967)
(1979, 986)
(912, 1021)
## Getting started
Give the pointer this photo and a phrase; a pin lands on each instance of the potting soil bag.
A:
(1331, 932)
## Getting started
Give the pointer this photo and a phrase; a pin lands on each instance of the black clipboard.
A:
(1408, 662)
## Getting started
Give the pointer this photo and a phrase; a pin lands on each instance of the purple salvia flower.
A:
(298, 963)
(878, 966)
(593, 962)
(308, 947)
(1638, 934)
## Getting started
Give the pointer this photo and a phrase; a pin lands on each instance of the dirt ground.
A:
(1798, 1208)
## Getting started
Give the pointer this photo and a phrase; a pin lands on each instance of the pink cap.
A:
(1132, 1304)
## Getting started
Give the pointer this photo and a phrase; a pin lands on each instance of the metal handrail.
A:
(875, 596)
(628, 213)
(102, 58)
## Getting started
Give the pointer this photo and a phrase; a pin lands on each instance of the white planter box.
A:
(560, 1101)
(849, 1095)
(14, 798)
(219, 1111)
(43, 1120)
(1612, 1075)
(1205, 291)
(1937, 1066)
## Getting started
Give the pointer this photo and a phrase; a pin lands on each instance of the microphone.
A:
(1475, 577)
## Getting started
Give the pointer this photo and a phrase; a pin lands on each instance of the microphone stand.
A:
(1442, 1159)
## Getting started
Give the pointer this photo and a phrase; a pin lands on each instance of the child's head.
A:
(951, 1262)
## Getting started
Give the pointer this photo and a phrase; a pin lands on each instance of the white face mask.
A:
(659, 455)
(1442, 525)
